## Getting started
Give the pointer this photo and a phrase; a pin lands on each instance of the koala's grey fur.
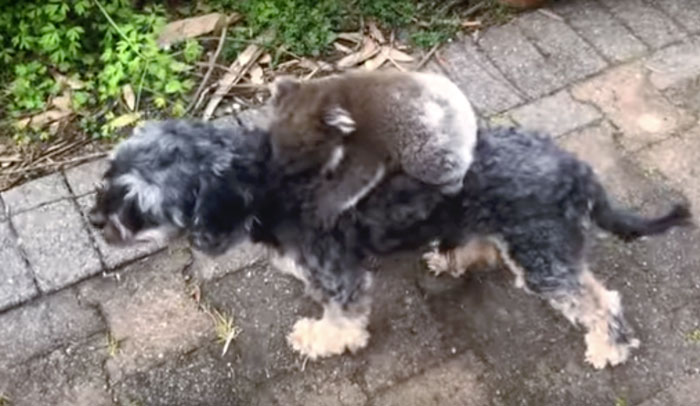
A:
(355, 128)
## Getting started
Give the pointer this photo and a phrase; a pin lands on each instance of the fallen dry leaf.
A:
(368, 50)
(129, 97)
(471, 24)
(42, 119)
(63, 102)
(265, 59)
(256, 75)
(375, 33)
(180, 30)
(397, 55)
(342, 48)
(237, 69)
(376, 62)
(355, 37)
(72, 83)
(124, 120)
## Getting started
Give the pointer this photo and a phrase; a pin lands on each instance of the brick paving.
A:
(616, 81)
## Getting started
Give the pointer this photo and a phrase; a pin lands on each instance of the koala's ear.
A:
(282, 87)
(340, 119)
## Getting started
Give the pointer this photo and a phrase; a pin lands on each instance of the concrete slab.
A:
(626, 182)
(686, 12)
(594, 23)
(200, 377)
(242, 256)
(643, 115)
(16, 281)
(555, 115)
(570, 57)
(57, 245)
(83, 178)
(454, 383)
(70, 376)
(487, 89)
(648, 23)
(520, 61)
(677, 159)
(149, 312)
(35, 193)
(43, 325)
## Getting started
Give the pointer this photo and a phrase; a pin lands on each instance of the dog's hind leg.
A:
(599, 311)
(551, 257)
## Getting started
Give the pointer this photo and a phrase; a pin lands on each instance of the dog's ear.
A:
(282, 87)
(339, 119)
(219, 215)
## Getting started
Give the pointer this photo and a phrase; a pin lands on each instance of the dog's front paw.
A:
(324, 338)
(601, 351)
(436, 262)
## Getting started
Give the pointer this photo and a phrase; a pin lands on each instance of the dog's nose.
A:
(97, 220)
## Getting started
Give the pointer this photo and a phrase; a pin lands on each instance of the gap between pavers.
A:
(45, 324)
(148, 312)
(57, 245)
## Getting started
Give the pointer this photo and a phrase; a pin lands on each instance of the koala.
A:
(357, 128)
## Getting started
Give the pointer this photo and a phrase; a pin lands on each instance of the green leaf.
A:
(173, 86)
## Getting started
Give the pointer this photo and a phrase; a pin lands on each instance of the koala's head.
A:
(307, 122)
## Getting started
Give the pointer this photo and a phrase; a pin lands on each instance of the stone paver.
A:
(476, 340)
(322, 387)
(148, 310)
(242, 256)
(685, 393)
(485, 86)
(675, 64)
(637, 108)
(570, 57)
(43, 325)
(624, 180)
(454, 383)
(590, 20)
(200, 378)
(684, 11)
(36, 193)
(70, 376)
(555, 115)
(676, 72)
(57, 245)
(112, 256)
(677, 159)
(16, 282)
(519, 60)
(83, 178)
(648, 23)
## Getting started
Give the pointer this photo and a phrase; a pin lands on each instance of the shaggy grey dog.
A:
(525, 204)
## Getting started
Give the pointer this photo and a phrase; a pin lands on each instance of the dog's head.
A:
(177, 177)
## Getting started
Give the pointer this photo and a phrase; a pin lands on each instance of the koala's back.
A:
(421, 120)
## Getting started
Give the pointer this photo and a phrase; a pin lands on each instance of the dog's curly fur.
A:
(523, 196)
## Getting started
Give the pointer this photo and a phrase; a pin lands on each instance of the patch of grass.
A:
(693, 336)
(88, 50)
(495, 12)
(224, 326)
(113, 346)
(4, 400)
(620, 401)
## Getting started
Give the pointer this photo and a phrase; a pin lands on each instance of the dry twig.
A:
(212, 61)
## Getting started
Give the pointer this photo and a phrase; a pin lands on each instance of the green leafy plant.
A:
(104, 45)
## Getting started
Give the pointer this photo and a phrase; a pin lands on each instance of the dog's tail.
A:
(629, 226)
